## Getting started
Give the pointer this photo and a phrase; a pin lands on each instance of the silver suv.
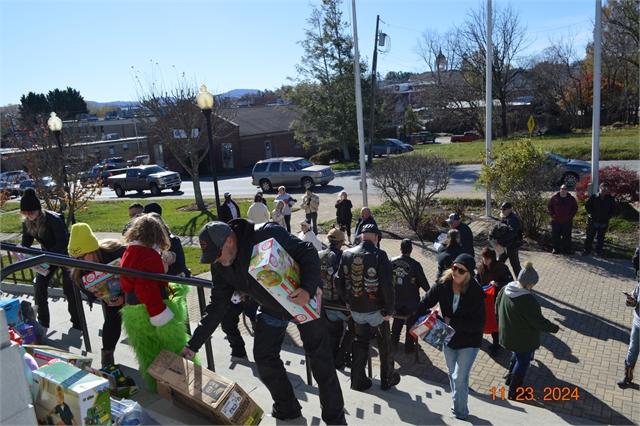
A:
(289, 171)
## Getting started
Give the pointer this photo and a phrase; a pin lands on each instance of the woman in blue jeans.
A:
(461, 301)
(520, 322)
(634, 338)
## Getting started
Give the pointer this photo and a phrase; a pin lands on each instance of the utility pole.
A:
(356, 60)
(373, 92)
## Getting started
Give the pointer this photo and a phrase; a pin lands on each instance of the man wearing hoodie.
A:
(520, 322)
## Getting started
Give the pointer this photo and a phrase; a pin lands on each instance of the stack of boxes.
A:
(15, 320)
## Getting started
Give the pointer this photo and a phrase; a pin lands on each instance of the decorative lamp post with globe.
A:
(205, 103)
(55, 125)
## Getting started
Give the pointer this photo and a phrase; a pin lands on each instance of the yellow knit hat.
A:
(82, 240)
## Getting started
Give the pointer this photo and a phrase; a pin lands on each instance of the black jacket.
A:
(364, 279)
(179, 266)
(408, 278)
(466, 238)
(56, 234)
(361, 223)
(343, 211)
(469, 319)
(225, 212)
(446, 256)
(498, 272)
(513, 238)
(227, 279)
(601, 209)
(329, 266)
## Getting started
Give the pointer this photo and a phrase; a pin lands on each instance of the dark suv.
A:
(289, 171)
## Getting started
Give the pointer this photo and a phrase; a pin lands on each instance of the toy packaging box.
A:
(433, 330)
(198, 390)
(42, 269)
(12, 311)
(104, 285)
(27, 334)
(64, 394)
(279, 274)
(120, 386)
(44, 354)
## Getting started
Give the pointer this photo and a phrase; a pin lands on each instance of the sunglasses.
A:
(504, 208)
(564, 189)
(27, 212)
(458, 270)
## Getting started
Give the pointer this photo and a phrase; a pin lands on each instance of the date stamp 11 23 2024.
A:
(549, 393)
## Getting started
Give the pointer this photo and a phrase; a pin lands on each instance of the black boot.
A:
(509, 376)
(516, 382)
(107, 358)
(628, 375)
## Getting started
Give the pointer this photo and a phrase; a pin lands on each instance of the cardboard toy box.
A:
(43, 354)
(198, 390)
(120, 385)
(12, 311)
(277, 272)
(63, 392)
(104, 285)
(27, 333)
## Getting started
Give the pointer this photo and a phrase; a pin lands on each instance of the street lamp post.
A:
(205, 102)
(55, 125)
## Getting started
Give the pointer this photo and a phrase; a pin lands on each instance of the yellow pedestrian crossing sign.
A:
(531, 124)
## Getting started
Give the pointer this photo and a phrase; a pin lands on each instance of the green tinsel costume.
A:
(148, 341)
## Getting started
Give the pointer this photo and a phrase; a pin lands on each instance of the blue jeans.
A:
(523, 359)
(374, 318)
(634, 346)
(459, 363)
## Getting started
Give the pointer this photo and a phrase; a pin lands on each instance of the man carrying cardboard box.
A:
(228, 248)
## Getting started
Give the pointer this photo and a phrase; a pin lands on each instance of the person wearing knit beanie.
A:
(82, 240)
(30, 201)
(520, 322)
(528, 277)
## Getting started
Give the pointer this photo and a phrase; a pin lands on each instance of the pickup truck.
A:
(100, 172)
(467, 137)
(141, 178)
(423, 137)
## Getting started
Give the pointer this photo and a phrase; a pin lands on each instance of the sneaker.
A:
(393, 380)
(238, 353)
(554, 251)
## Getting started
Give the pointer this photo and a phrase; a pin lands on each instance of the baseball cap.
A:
(212, 238)
(604, 185)
(371, 228)
(335, 235)
(453, 217)
(227, 194)
(506, 206)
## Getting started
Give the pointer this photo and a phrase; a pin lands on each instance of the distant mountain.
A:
(114, 103)
(237, 93)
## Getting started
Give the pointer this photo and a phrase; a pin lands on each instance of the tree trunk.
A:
(198, 191)
(503, 118)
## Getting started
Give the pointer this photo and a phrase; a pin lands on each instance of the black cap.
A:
(212, 237)
(467, 260)
(406, 245)
(506, 206)
(371, 228)
(453, 217)
(30, 201)
(153, 207)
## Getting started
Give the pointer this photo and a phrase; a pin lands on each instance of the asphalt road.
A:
(462, 181)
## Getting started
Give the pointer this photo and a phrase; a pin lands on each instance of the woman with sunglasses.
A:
(83, 245)
(461, 301)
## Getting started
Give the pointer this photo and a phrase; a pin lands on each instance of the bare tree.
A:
(409, 182)
(180, 124)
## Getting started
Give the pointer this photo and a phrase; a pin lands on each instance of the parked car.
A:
(115, 162)
(100, 171)
(569, 171)
(289, 171)
(47, 182)
(423, 137)
(11, 189)
(140, 160)
(14, 176)
(466, 137)
(152, 177)
(391, 146)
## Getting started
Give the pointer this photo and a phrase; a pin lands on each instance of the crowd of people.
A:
(363, 288)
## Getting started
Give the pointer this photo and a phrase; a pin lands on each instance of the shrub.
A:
(623, 184)
(321, 157)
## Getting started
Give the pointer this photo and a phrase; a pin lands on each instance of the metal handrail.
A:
(69, 262)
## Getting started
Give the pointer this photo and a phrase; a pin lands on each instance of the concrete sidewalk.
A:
(583, 294)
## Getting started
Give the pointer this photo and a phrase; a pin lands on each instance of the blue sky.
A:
(92, 46)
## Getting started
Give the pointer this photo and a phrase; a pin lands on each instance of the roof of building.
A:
(260, 120)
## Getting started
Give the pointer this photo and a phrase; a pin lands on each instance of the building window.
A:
(297, 143)
(112, 149)
(96, 151)
(125, 147)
